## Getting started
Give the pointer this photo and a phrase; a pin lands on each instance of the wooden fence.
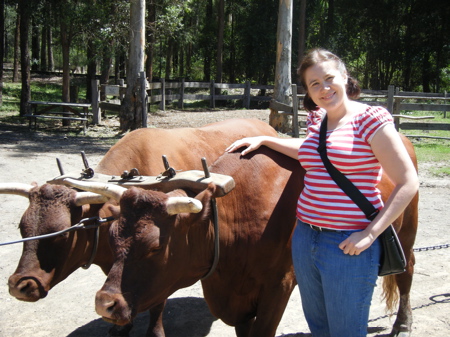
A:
(393, 99)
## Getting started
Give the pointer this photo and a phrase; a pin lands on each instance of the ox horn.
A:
(84, 198)
(108, 190)
(16, 188)
(176, 205)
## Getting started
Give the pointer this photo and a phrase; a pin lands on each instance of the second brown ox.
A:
(159, 251)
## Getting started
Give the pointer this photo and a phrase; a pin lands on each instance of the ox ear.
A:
(115, 210)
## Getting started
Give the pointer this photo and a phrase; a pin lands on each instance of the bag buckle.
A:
(373, 215)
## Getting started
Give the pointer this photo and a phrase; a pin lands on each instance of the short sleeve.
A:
(314, 118)
(372, 120)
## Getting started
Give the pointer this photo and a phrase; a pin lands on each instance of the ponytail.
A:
(353, 89)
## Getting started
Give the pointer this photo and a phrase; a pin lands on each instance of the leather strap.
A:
(341, 180)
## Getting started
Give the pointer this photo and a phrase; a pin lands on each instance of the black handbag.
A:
(393, 259)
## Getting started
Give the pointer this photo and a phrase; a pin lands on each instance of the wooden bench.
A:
(71, 112)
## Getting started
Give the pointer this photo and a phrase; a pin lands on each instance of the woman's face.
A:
(326, 85)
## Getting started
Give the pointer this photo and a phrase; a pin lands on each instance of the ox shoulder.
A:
(194, 180)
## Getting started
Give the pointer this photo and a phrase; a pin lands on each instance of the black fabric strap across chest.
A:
(340, 179)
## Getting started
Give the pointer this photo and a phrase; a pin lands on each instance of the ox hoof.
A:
(400, 334)
(120, 331)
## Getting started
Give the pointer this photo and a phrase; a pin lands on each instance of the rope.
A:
(75, 227)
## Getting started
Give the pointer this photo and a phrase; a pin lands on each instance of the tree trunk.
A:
(91, 69)
(50, 61)
(2, 44)
(131, 110)
(65, 44)
(34, 45)
(43, 65)
(282, 90)
(207, 56)
(25, 96)
(169, 58)
(17, 54)
(151, 39)
(301, 38)
(107, 59)
(221, 26)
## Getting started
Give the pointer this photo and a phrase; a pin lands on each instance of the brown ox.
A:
(158, 252)
(45, 263)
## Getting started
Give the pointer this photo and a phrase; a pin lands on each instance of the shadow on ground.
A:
(187, 317)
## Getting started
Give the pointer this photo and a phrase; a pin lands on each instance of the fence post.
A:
(295, 111)
(390, 99)
(446, 104)
(144, 98)
(181, 99)
(212, 93)
(162, 104)
(247, 95)
(96, 112)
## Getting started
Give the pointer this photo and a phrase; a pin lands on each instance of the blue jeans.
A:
(336, 288)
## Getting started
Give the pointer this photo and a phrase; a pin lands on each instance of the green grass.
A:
(434, 150)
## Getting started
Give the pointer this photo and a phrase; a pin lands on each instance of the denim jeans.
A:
(335, 288)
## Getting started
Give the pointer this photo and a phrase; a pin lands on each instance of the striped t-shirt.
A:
(322, 203)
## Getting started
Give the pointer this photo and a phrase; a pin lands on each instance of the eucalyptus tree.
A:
(24, 8)
(282, 90)
(2, 45)
(131, 116)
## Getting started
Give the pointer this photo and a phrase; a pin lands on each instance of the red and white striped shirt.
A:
(322, 203)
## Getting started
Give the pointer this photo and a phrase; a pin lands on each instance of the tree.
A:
(301, 34)
(130, 111)
(2, 44)
(282, 90)
(220, 32)
(25, 96)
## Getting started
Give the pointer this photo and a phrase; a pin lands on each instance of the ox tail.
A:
(390, 293)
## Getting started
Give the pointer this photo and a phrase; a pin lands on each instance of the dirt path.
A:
(69, 308)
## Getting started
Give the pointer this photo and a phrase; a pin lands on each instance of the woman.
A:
(335, 249)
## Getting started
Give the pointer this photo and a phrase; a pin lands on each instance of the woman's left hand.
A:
(356, 243)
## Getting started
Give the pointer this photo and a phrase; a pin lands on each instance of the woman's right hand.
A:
(252, 144)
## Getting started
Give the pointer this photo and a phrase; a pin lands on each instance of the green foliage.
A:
(384, 42)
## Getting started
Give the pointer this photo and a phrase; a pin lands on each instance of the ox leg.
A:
(156, 328)
(243, 329)
(403, 323)
(270, 310)
(120, 331)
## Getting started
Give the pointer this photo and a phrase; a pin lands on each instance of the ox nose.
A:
(27, 289)
(112, 307)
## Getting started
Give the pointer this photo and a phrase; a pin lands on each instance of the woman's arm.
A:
(395, 161)
(286, 146)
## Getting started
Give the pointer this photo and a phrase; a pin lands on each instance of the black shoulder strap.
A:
(341, 180)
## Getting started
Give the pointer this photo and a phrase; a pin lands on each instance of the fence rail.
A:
(393, 99)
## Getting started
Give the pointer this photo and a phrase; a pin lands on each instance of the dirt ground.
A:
(68, 310)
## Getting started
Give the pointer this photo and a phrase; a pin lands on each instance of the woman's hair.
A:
(318, 55)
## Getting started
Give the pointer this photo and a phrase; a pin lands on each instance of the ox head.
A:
(44, 263)
(153, 242)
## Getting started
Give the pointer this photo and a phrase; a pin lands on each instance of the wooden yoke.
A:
(194, 180)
